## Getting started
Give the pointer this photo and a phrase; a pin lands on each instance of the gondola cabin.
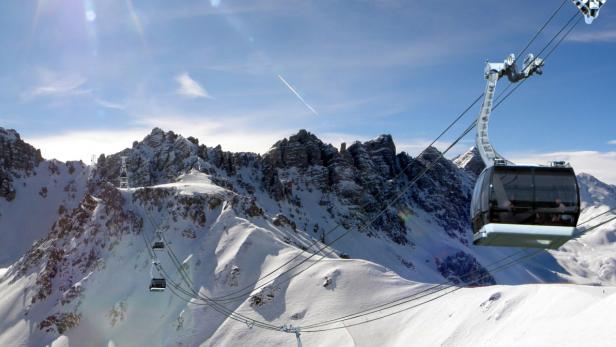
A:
(525, 206)
(158, 246)
(158, 284)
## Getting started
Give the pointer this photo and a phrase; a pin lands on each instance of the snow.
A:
(231, 251)
(31, 214)
(194, 182)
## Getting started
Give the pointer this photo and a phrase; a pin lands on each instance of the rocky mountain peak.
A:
(470, 161)
(382, 152)
(301, 150)
(15, 154)
(17, 159)
(159, 157)
(593, 191)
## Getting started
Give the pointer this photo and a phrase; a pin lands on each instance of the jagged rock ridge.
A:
(17, 158)
(235, 213)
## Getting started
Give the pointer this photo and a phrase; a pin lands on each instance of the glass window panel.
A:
(476, 203)
(513, 188)
(556, 198)
(555, 187)
(511, 199)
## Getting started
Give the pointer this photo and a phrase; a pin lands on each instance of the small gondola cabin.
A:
(158, 285)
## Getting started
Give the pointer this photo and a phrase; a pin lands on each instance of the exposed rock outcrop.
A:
(471, 162)
(17, 159)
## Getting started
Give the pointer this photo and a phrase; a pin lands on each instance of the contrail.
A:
(298, 96)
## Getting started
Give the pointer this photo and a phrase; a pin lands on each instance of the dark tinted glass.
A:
(538, 196)
(512, 188)
(485, 190)
(556, 198)
(555, 186)
(476, 202)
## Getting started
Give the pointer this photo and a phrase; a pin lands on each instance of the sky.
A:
(81, 77)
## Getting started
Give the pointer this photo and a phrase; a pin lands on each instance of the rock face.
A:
(593, 191)
(357, 184)
(286, 200)
(364, 177)
(17, 159)
(443, 192)
(457, 267)
(471, 162)
(163, 156)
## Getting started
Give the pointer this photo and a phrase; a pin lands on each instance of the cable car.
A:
(525, 206)
(158, 246)
(158, 284)
(520, 206)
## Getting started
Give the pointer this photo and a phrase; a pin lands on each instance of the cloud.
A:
(109, 104)
(594, 36)
(613, 142)
(190, 88)
(82, 144)
(53, 84)
(76, 145)
(599, 164)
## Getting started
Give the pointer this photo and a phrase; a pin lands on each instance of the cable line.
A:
(231, 296)
(214, 302)
(308, 328)
(217, 307)
(249, 288)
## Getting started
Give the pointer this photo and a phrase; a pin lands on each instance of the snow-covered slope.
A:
(232, 218)
(33, 191)
(592, 257)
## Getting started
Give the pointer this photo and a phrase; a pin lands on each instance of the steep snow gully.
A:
(74, 268)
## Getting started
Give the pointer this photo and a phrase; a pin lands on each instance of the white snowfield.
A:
(230, 251)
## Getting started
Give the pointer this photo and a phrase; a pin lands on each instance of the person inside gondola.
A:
(560, 216)
(507, 206)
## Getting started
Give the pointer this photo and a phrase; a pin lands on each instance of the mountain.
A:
(229, 219)
(32, 192)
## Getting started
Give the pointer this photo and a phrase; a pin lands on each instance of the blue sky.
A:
(83, 77)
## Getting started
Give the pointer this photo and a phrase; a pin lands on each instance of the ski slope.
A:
(116, 309)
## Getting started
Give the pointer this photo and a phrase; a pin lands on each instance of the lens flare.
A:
(404, 214)
(90, 16)
(136, 22)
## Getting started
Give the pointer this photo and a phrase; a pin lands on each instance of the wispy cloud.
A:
(594, 36)
(298, 95)
(190, 88)
(613, 142)
(599, 164)
(53, 84)
(110, 104)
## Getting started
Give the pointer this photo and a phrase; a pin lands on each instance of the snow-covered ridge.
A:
(32, 192)
(231, 218)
